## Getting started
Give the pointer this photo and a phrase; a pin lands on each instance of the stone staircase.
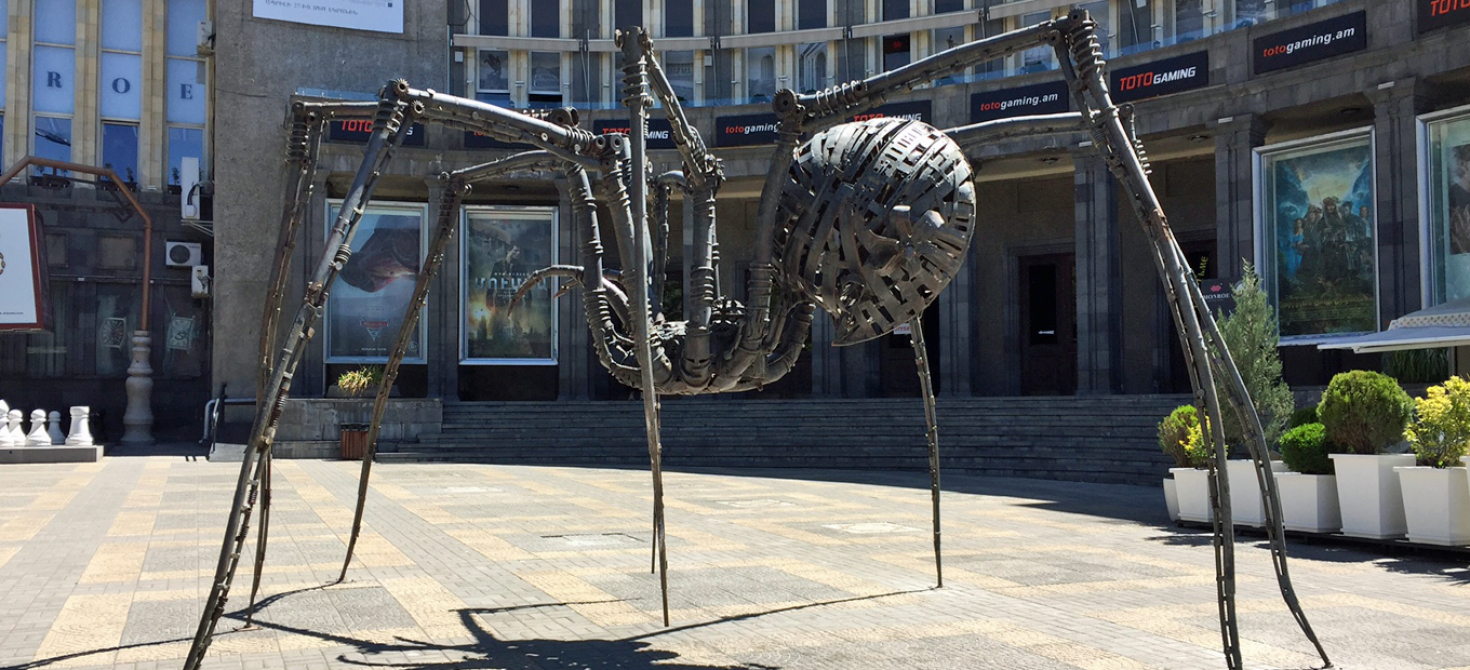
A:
(1108, 439)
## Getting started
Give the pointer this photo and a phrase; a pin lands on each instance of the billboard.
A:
(367, 304)
(384, 16)
(1445, 170)
(499, 249)
(1317, 230)
(23, 278)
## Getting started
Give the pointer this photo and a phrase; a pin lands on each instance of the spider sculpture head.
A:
(875, 221)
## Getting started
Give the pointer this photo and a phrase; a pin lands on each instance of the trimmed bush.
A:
(1174, 433)
(1364, 412)
(1303, 417)
(1442, 427)
(1305, 450)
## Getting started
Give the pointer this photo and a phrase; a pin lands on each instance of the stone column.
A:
(1397, 227)
(573, 339)
(1098, 277)
(957, 331)
(1235, 139)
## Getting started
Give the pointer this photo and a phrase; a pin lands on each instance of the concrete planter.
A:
(1192, 487)
(1436, 504)
(1368, 492)
(1309, 502)
(310, 427)
(1245, 492)
(1171, 499)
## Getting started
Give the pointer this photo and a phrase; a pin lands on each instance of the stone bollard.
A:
(81, 435)
(53, 428)
(17, 433)
(38, 436)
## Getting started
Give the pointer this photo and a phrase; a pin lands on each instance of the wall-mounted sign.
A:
(1440, 13)
(384, 16)
(913, 110)
(474, 140)
(745, 130)
(1163, 77)
(23, 281)
(1049, 98)
(500, 248)
(1219, 294)
(358, 131)
(373, 291)
(1312, 42)
(660, 135)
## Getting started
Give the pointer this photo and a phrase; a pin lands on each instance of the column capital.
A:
(1253, 125)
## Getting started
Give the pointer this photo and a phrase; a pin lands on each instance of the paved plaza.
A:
(475, 566)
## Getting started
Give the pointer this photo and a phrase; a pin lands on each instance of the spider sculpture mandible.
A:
(868, 220)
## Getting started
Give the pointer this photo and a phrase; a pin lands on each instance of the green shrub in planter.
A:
(1303, 417)
(1305, 449)
(357, 382)
(1442, 427)
(1364, 411)
(1196, 447)
(1174, 434)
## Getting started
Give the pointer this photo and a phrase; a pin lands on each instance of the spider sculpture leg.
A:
(926, 387)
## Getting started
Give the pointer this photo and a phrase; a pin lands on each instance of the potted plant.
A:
(355, 383)
(1363, 413)
(1309, 492)
(1182, 437)
(1436, 495)
(1252, 336)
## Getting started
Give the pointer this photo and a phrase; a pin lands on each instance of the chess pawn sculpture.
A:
(81, 434)
(53, 428)
(38, 436)
(5, 439)
(17, 433)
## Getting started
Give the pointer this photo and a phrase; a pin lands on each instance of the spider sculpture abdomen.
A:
(874, 222)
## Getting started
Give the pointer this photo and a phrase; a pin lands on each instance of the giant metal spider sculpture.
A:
(868, 220)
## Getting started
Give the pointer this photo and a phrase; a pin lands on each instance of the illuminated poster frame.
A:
(1444, 204)
(499, 247)
(378, 313)
(24, 283)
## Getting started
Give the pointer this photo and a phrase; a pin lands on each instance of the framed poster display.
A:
(1315, 229)
(371, 294)
(1444, 193)
(23, 279)
(499, 248)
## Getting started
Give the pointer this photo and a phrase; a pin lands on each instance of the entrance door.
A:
(1048, 324)
(898, 372)
(1201, 257)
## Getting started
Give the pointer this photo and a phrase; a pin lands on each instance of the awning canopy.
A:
(1446, 325)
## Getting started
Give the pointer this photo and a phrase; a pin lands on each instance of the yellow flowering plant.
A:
(1441, 430)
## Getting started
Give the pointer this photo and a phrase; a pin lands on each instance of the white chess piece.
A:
(53, 428)
(17, 434)
(38, 436)
(81, 435)
(5, 440)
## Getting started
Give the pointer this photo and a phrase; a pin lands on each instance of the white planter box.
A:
(1369, 495)
(1171, 499)
(1245, 492)
(1436, 504)
(1309, 502)
(1192, 486)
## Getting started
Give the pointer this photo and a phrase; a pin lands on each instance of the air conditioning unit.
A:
(182, 254)
(189, 188)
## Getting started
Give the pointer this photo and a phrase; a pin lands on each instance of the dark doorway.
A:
(898, 372)
(1048, 302)
(1201, 256)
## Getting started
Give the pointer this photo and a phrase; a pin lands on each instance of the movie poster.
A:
(371, 295)
(1447, 210)
(1319, 256)
(500, 248)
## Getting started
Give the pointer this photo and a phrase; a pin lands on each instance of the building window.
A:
(1135, 27)
(811, 67)
(1102, 17)
(186, 88)
(944, 39)
(494, 17)
(1040, 58)
(811, 14)
(545, 18)
(894, 10)
(760, 16)
(760, 68)
(545, 88)
(1189, 20)
(494, 84)
(679, 18)
(1251, 12)
(627, 13)
(119, 85)
(679, 67)
(895, 51)
(53, 78)
(53, 138)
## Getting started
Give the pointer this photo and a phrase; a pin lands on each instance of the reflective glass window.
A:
(122, 25)
(760, 16)
(493, 17)
(811, 67)
(121, 85)
(679, 18)
(53, 138)
(183, 26)
(811, 14)
(53, 85)
(56, 21)
(183, 142)
(760, 67)
(545, 18)
(186, 93)
(120, 150)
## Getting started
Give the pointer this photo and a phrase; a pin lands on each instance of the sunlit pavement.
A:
(476, 566)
